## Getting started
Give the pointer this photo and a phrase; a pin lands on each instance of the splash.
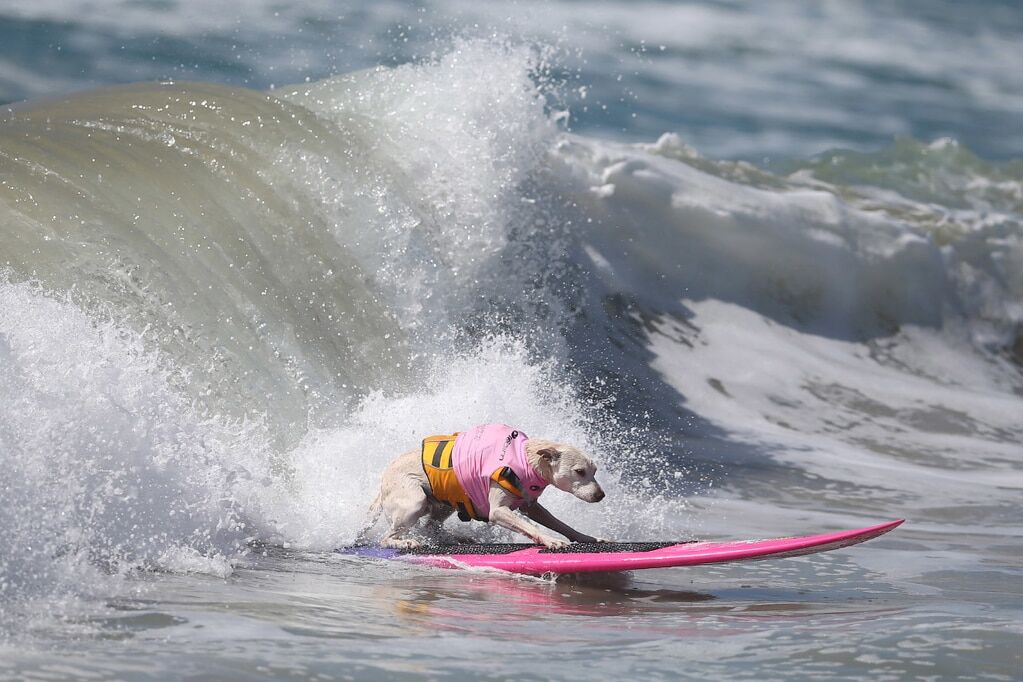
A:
(106, 468)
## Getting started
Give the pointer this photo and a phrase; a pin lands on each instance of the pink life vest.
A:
(495, 452)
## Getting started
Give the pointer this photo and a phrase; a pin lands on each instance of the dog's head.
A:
(570, 470)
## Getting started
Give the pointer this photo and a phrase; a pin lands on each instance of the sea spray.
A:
(470, 132)
(106, 467)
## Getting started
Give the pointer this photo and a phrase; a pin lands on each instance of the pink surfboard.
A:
(613, 556)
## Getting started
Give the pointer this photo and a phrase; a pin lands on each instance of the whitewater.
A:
(223, 310)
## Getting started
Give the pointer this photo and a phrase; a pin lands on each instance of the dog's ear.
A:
(549, 454)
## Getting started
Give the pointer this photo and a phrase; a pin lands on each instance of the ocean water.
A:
(763, 261)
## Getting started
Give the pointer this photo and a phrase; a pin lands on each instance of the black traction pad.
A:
(574, 548)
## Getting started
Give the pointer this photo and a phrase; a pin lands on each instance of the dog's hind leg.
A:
(403, 505)
(439, 513)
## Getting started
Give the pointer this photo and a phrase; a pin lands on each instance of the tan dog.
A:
(406, 495)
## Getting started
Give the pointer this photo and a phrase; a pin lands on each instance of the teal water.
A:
(736, 79)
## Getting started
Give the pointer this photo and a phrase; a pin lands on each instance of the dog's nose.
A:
(599, 496)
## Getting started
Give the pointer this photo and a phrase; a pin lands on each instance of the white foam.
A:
(104, 464)
(838, 259)
(832, 409)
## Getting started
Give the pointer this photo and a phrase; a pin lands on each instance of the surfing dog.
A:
(488, 473)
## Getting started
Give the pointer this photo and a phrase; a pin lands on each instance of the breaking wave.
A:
(223, 311)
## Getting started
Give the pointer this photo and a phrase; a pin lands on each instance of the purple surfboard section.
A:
(595, 558)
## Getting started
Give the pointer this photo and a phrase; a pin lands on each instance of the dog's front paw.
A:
(404, 543)
(552, 543)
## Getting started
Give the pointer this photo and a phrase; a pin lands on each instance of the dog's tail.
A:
(375, 507)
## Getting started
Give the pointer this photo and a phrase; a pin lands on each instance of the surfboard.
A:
(583, 557)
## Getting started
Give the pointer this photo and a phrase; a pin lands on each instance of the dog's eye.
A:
(579, 472)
